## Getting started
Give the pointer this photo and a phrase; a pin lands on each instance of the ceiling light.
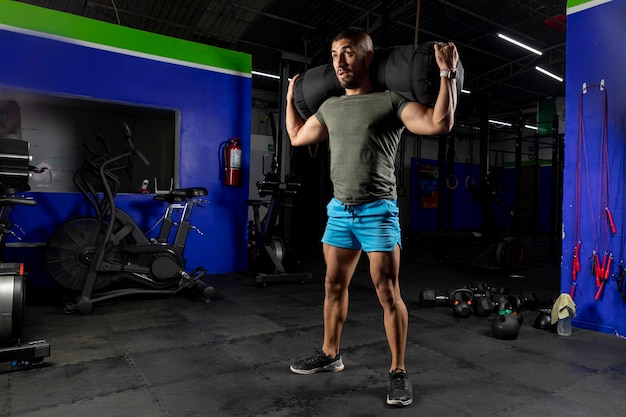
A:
(520, 44)
(497, 122)
(464, 91)
(266, 75)
(549, 74)
(531, 127)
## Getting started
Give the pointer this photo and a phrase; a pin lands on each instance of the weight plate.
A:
(509, 254)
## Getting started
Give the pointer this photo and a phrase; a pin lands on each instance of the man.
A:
(363, 128)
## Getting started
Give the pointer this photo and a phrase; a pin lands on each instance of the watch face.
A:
(452, 75)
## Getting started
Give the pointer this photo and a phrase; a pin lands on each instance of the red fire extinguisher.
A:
(232, 162)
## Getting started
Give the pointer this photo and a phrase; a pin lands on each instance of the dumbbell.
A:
(543, 320)
(483, 290)
(480, 289)
(485, 304)
(527, 299)
(431, 298)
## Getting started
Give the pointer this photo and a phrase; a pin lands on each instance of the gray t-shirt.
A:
(364, 132)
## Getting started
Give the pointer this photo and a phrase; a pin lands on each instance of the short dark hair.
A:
(359, 36)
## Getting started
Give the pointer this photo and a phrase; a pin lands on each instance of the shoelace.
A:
(398, 380)
(318, 357)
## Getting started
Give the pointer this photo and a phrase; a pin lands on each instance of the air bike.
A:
(107, 255)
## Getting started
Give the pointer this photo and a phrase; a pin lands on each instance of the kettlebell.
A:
(505, 326)
(462, 302)
(543, 320)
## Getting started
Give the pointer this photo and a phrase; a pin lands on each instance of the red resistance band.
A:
(602, 271)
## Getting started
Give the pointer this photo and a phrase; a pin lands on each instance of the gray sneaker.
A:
(319, 362)
(400, 391)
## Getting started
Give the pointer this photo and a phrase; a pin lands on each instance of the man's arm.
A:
(422, 120)
(301, 132)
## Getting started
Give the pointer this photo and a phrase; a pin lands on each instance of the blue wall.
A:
(214, 106)
(595, 52)
(466, 212)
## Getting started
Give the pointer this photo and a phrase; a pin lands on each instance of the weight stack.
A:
(14, 162)
(408, 70)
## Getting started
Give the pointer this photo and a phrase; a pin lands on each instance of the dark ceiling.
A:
(272, 29)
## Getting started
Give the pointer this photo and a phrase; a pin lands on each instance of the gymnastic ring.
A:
(467, 181)
(456, 182)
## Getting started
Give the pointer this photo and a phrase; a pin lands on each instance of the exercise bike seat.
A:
(181, 194)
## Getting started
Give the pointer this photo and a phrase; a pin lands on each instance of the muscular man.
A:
(363, 128)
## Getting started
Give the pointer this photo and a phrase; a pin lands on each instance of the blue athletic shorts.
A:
(373, 227)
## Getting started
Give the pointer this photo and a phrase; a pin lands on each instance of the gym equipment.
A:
(543, 320)
(462, 300)
(12, 304)
(431, 298)
(509, 253)
(408, 70)
(480, 299)
(86, 253)
(525, 299)
(487, 305)
(500, 251)
(482, 294)
(505, 325)
(483, 290)
(267, 250)
(14, 174)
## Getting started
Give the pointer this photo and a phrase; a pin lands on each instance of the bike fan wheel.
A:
(70, 250)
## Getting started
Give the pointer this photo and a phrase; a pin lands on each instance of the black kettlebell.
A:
(505, 326)
(543, 320)
(462, 302)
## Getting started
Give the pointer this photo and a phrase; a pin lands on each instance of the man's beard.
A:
(355, 80)
(349, 84)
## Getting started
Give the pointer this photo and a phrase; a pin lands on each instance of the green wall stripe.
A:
(115, 37)
(575, 6)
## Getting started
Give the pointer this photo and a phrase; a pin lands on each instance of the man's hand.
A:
(446, 55)
(292, 82)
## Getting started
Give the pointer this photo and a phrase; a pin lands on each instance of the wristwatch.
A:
(448, 73)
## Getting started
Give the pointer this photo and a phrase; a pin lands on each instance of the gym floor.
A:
(147, 356)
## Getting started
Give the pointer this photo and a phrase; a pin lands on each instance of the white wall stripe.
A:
(121, 51)
(585, 6)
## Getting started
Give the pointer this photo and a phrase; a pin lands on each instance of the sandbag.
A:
(408, 70)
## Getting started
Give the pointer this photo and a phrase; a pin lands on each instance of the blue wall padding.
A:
(213, 107)
(422, 218)
(593, 40)
(466, 211)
